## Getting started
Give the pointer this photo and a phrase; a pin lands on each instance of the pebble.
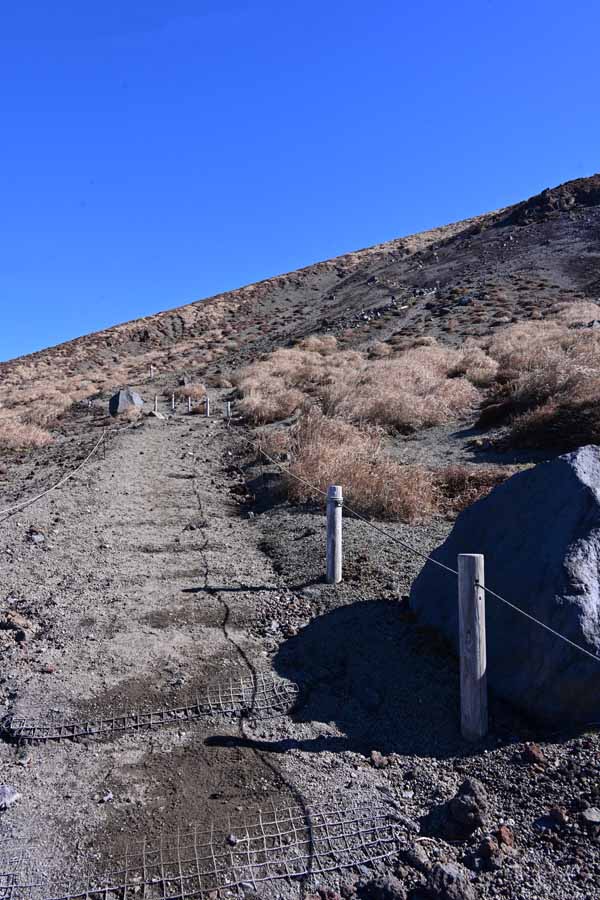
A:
(8, 796)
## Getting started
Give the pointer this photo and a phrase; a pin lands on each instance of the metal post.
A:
(334, 533)
(473, 662)
(173, 402)
(207, 402)
(189, 404)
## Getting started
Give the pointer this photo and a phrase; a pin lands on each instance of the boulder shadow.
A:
(386, 683)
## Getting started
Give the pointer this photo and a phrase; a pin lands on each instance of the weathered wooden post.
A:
(173, 402)
(155, 403)
(334, 533)
(207, 404)
(189, 404)
(227, 410)
(473, 662)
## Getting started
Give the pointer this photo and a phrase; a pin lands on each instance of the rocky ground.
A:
(166, 570)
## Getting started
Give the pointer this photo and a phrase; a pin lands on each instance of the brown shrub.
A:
(195, 392)
(16, 435)
(327, 451)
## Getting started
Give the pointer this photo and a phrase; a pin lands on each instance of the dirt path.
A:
(157, 583)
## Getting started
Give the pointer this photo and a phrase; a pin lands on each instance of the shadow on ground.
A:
(385, 682)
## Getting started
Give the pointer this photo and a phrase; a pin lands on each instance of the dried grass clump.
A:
(460, 486)
(579, 313)
(328, 451)
(16, 435)
(416, 389)
(193, 391)
(547, 384)
(423, 386)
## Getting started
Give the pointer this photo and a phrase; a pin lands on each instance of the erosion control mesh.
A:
(278, 843)
(259, 696)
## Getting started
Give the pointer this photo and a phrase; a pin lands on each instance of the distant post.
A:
(189, 404)
(473, 661)
(207, 403)
(173, 402)
(151, 371)
(227, 409)
(334, 533)
(155, 403)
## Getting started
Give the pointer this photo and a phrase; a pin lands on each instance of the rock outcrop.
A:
(540, 534)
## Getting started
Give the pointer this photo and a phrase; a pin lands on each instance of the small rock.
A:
(505, 837)
(24, 757)
(449, 881)
(386, 887)
(469, 805)
(558, 816)
(378, 760)
(232, 840)
(14, 621)
(417, 858)
(591, 817)
(8, 796)
(107, 798)
(533, 754)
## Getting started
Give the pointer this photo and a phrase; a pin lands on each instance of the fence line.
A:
(420, 553)
(24, 503)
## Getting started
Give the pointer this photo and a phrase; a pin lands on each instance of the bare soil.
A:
(169, 566)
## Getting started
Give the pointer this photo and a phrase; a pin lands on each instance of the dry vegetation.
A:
(413, 389)
(324, 451)
(542, 379)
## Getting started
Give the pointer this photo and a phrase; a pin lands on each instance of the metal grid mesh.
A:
(279, 843)
(260, 696)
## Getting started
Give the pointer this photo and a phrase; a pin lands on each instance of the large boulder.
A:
(124, 400)
(540, 534)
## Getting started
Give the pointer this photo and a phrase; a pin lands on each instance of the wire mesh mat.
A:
(275, 844)
(260, 696)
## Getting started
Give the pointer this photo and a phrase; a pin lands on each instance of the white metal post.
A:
(334, 533)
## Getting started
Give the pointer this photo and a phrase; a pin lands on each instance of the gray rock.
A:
(8, 796)
(387, 887)
(540, 534)
(416, 857)
(591, 816)
(469, 805)
(449, 881)
(124, 400)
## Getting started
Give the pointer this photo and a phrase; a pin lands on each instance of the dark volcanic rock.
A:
(540, 534)
(450, 882)
(124, 400)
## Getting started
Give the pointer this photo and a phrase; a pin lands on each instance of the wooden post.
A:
(473, 663)
(207, 402)
(227, 409)
(151, 371)
(334, 534)
(189, 404)
(173, 402)
(155, 403)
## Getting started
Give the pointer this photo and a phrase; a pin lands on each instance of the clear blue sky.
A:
(157, 152)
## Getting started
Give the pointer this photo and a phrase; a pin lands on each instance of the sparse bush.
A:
(16, 435)
(327, 451)
(195, 392)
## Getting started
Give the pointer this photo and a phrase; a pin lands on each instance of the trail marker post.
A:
(173, 402)
(334, 534)
(227, 410)
(189, 404)
(473, 661)
(151, 371)
(207, 405)
(155, 403)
